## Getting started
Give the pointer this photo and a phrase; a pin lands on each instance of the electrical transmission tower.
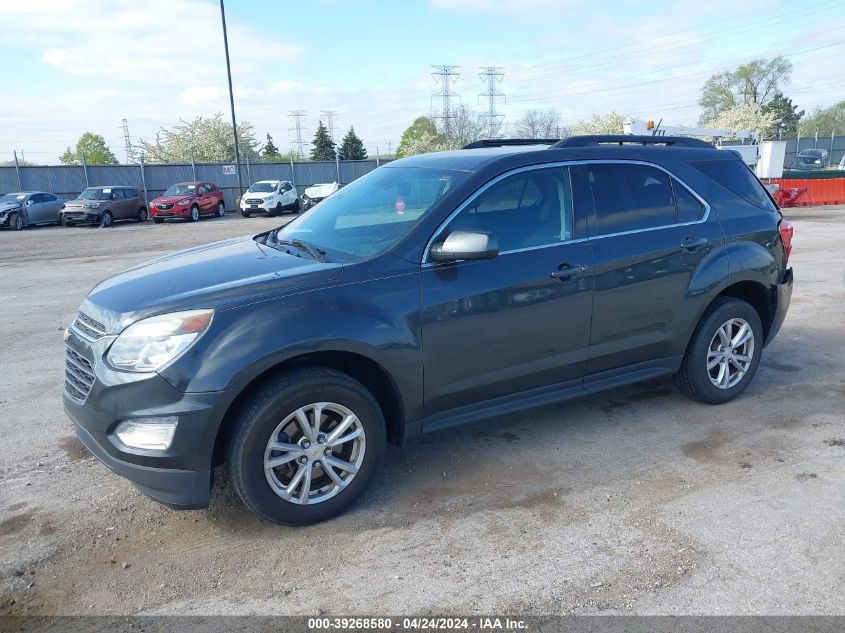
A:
(297, 117)
(446, 76)
(127, 141)
(492, 75)
(330, 116)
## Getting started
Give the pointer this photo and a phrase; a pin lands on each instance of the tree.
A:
(92, 147)
(208, 139)
(270, 151)
(610, 123)
(324, 146)
(538, 124)
(786, 115)
(753, 83)
(750, 117)
(824, 121)
(465, 126)
(352, 147)
(421, 137)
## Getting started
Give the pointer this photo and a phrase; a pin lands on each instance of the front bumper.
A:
(175, 212)
(179, 477)
(81, 215)
(263, 207)
(782, 297)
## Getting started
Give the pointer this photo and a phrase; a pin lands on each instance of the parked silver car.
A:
(25, 208)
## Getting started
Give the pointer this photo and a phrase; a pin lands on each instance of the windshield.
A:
(263, 187)
(12, 197)
(95, 194)
(372, 213)
(809, 159)
(181, 190)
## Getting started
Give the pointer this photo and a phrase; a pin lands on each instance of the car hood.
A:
(8, 206)
(208, 276)
(321, 191)
(80, 202)
(171, 199)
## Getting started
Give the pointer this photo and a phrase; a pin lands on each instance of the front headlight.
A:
(182, 203)
(268, 198)
(149, 344)
(92, 206)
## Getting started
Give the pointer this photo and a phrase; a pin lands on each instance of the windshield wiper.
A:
(317, 253)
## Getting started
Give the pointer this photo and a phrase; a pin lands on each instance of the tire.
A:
(696, 379)
(245, 214)
(62, 220)
(16, 222)
(221, 209)
(106, 219)
(278, 210)
(143, 215)
(270, 413)
(195, 214)
(158, 220)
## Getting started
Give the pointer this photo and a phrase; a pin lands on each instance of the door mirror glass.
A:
(465, 245)
(29, 202)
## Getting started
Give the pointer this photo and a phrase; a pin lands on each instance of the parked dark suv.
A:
(434, 291)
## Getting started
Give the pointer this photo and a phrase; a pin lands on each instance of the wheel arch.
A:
(358, 366)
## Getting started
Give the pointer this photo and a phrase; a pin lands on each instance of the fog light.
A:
(153, 434)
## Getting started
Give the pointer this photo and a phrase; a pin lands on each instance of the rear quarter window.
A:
(736, 177)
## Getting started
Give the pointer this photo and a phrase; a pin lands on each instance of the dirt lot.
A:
(633, 501)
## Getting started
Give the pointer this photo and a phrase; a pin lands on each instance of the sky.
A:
(84, 65)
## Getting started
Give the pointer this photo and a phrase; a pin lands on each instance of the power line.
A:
(492, 75)
(445, 76)
(297, 116)
(330, 115)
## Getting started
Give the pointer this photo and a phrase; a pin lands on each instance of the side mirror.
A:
(29, 202)
(465, 245)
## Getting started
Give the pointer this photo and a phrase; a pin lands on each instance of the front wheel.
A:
(221, 209)
(195, 214)
(724, 352)
(106, 219)
(16, 222)
(143, 214)
(305, 445)
(245, 214)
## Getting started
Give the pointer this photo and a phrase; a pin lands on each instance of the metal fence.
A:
(68, 181)
(835, 145)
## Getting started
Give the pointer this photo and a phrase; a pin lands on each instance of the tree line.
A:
(210, 140)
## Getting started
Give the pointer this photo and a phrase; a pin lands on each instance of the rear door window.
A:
(629, 197)
(736, 177)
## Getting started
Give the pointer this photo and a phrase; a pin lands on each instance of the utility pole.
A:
(18, 171)
(329, 116)
(127, 142)
(232, 101)
(297, 116)
(492, 75)
(445, 76)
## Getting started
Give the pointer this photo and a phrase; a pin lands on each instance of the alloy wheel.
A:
(314, 453)
(730, 353)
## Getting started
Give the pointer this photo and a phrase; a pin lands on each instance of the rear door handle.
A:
(693, 243)
(566, 271)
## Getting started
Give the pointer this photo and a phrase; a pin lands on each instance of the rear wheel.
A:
(195, 214)
(724, 352)
(106, 219)
(221, 209)
(305, 445)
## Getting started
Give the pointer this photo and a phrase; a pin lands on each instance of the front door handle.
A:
(691, 244)
(566, 271)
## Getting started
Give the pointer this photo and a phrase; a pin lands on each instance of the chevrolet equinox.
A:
(434, 291)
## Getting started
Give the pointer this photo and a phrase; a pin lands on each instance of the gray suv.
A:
(104, 205)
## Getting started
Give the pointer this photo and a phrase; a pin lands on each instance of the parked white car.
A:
(269, 196)
(317, 193)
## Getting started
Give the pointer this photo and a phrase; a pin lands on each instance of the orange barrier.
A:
(819, 191)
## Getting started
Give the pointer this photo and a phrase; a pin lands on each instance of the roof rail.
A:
(603, 139)
(503, 142)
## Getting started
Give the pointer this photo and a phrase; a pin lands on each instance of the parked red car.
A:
(188, 201)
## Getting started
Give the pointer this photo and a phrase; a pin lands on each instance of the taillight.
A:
(786, 231)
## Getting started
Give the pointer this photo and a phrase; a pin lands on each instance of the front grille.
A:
(89, 327)
(253, 201)
(164, 207)
(79, 375)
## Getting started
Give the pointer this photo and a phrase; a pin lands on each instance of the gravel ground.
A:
(632, 501)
